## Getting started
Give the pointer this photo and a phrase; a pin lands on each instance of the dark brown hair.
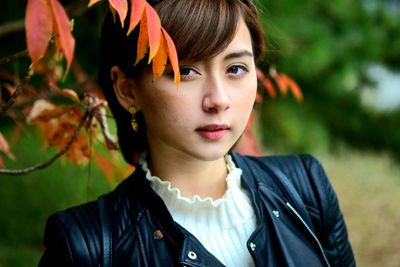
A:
(200, 29)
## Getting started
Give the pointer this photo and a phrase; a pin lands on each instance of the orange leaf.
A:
(143, 40)
(38, 107)
(105, 164)
(160, 60)
(173, 56)
(79, 151)
(136, 13)
(62, 28)
(43, 110)
(280, 80)
(121, 6)
(267, 84)
(71, 94)
(5, 148)
(92, 2)
(154, 29)
(295, 88)
(38, 24)
(282, 84)
(111, 167)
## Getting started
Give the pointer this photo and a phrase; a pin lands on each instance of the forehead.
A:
(200, 28)
(242, 38)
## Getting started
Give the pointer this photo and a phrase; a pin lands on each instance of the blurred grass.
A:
(368, 186)
(26, 201)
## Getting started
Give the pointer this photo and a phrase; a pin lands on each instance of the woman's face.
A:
(207, 114)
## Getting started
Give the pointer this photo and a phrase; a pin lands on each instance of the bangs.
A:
(200, 29)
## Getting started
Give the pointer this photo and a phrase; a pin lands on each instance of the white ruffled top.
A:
(222, 225)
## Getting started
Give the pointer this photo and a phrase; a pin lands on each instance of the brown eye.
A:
(188, 73)
(237, 70)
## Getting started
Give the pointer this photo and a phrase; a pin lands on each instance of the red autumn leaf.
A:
(247, 143)
(138, 7)
(151, 34)
(62, 28)
(260, 75)
(5, 148)
(39, 27)
(79, 151)
(121, 6)
(143, 40)
(259, 98)
(173, 56)
(154, 30)
(160, 59)
(58, 127)
(268, 86)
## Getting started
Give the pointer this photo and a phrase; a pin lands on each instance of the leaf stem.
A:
(18, 90)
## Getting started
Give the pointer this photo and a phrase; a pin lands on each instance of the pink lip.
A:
(213, 131)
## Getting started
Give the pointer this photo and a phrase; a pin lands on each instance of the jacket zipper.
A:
(310, 231)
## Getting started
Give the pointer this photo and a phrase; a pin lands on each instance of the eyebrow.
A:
(243, 53)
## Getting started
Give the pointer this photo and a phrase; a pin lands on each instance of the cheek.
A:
(246, 97)
(161, 110)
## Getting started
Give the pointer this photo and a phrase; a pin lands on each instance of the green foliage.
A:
(27, 201)
(293, 128)
(326, 46)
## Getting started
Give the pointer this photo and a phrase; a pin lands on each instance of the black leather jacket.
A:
(299, 223)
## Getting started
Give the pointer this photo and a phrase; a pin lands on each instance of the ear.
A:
(123, 88)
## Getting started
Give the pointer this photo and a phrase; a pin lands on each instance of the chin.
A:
(208, 154)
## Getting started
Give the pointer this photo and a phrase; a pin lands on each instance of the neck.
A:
(192, 176)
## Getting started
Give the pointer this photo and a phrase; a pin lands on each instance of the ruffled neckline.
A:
(165, 189)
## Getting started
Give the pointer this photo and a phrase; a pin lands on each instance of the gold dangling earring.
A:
(134, 123)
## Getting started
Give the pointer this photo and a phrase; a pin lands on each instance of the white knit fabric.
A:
(223, 226)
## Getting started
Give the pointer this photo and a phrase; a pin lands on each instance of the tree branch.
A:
(73, 10)
(11, 27)
(39, 166)
(23, 53)
(18, 90)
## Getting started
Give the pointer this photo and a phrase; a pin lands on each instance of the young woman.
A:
(192, 201)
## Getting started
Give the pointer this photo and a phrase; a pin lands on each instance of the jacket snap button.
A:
(252, 246)
(157, 235)
(276, 213)
(191, 255)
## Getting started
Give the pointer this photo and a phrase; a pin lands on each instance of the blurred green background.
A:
(344, 54)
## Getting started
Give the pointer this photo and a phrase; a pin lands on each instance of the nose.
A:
(216, 97)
